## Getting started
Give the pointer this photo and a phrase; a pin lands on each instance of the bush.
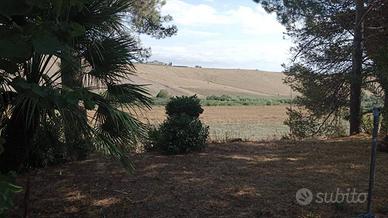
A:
(163, 94)
(300, 124)
(367, 123)
(49, 147)
(220, 98)
(303, 124)
(181, 134)
(190, 106)
(7, 192)
(7, 188)
(152, 140)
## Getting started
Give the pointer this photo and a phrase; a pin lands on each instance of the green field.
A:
(226, 100)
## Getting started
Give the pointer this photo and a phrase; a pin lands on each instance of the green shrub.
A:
(367, 123)
(300, 124)
(163, 94)
(79, 150)
(181, 134)
(49, 147)
(190, 106)
(7, 188)
(226, 100)
(304, 125)
(152, 139)
(7, 192)
(220, 98)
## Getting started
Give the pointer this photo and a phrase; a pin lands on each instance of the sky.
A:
(235, 34)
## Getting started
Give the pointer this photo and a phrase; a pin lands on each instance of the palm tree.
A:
(53, 55)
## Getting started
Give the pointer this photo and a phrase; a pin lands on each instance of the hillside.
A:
(205, 81)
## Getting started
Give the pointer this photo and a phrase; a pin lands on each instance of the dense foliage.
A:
(304, 125)
(228, 100)
(182, 131)
(331, 68)
(53, 54)
(7, 189)
(189, 105)
(376, 45)
(50, 148)
(181, 134)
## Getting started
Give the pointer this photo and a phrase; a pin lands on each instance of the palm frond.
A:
(111, 59)
(117, 132)
(104, 15)
(106, 143)
(128, 95)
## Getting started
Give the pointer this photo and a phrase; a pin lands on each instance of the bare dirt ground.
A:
(226, 180)
(227, 122)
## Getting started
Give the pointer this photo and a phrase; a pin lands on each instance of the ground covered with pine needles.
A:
(255, 179)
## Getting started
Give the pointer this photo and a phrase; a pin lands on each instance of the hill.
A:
(206, 81)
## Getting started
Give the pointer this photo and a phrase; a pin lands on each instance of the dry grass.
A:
(226, 180)
(204, 82)
(230, 122)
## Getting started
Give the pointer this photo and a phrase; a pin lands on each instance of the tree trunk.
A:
(72, 78)
(356, 77)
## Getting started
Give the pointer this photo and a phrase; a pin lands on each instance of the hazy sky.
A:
(224, 34)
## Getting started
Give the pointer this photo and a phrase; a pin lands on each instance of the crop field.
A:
(235, 122)
(207, 81)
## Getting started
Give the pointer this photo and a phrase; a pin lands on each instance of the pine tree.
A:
(329, 64)
(376, 43)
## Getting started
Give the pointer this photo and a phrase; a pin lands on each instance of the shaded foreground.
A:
(227, 180)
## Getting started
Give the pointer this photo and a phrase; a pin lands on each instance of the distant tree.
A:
(163, 94)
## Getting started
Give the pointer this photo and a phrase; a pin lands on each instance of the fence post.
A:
(372, 168)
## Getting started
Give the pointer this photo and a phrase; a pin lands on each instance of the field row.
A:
(226, 100)
(245, 122)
